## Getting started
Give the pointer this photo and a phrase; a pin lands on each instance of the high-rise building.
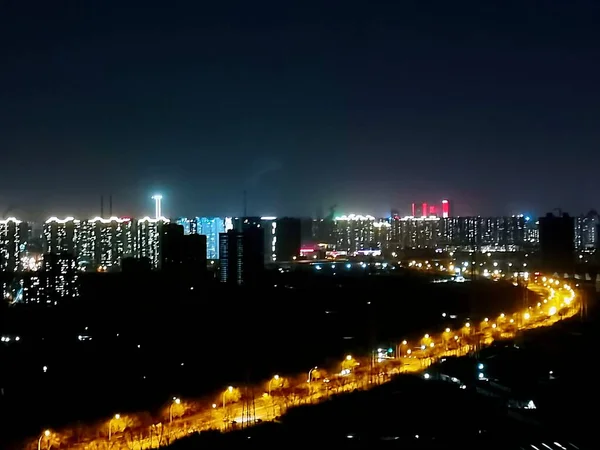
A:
(10, 244)
(586, 231)
(189, 225)
(446, 209)
(194, 254)
(58, 278)
(357, 233)
(286, 239)
(242, 256)
(60, 235)
(114, 239)
(210, 227)
(148, 239)
(171, 247)
(281, 236)
(557, 241)
(414, 232)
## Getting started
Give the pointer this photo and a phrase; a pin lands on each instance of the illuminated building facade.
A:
(210, 227)
(414, 232)
(59, 277)
(282, 236)
(532, 232)
(86, 246)
(242, 258)
(446, 209)
(148, 239)
(10, 244)
(101, 244)
(357, 233)
(486, 234)
(60, 235)
(56, 282)
(114, 239)
(586, 231)
(190, 226)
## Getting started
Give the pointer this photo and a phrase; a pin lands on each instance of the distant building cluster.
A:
(253, 243)
(357, 234)
(354, 234)
(41, 263)
(48, 259)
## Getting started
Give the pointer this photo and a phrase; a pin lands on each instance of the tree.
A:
(176, 410)
(349, 363)
(277, 384)
(318, 374)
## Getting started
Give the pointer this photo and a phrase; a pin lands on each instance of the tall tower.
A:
(446, 212)
(157, 205)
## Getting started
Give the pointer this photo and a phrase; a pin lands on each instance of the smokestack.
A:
(102, 206)
(110, 214)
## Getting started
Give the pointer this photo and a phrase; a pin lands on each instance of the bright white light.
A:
(158, 208)
(426, 376)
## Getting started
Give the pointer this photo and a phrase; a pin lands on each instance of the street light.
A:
(45, 434)
(310, 374)
(230, 390)
(176, 401)
(275, 378)
(116, 417)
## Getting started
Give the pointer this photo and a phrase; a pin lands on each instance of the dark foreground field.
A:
(407, 413)
(152, 339)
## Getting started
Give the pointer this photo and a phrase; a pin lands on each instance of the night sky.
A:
(368, 105)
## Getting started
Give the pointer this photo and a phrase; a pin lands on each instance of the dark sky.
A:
(368, 105)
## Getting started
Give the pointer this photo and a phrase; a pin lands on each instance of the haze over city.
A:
(303, 105)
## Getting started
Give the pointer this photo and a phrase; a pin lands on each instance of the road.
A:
(559, 301)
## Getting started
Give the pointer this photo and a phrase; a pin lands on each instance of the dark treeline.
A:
(196, 338)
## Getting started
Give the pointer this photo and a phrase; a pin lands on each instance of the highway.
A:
(558, 301)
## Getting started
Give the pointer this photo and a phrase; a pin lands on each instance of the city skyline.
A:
(443, 207)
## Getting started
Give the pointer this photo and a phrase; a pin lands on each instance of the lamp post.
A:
(116, 417)
(45, 434)
(230, 390)
(310, 374)
(275, 378)
(176, 401)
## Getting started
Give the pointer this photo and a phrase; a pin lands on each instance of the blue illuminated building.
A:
(209, 227)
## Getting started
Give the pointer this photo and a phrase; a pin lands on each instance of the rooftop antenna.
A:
(245, 204)
(102, 206)
(110, 212)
